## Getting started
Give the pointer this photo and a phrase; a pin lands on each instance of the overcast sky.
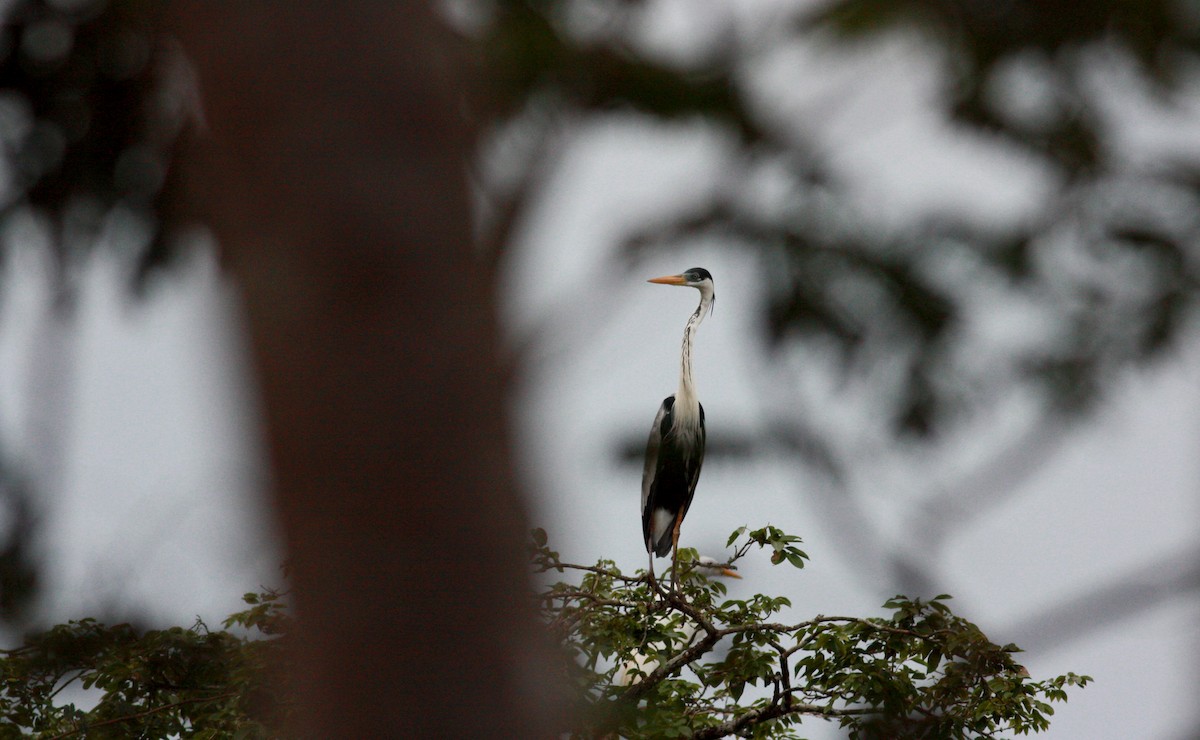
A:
(159, 509)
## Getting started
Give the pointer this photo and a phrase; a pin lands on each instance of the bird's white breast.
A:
(686, 424)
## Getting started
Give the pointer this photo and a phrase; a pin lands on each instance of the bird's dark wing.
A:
(662, 423)
(695, 461)
(670, 476)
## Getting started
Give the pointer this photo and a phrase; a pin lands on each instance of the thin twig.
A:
(592, 569)
(67, 683)
(785, 674)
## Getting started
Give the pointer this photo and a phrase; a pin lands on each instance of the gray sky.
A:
(158, 510)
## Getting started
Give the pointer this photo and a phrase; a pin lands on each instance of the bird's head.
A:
(697, 278)
(716, 567)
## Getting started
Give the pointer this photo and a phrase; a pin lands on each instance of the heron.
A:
(675, 450)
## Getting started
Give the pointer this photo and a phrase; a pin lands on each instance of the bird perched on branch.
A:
(675, 449)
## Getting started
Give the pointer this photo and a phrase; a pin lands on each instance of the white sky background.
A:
(157, 511)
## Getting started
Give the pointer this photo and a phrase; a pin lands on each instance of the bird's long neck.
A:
(687, 403)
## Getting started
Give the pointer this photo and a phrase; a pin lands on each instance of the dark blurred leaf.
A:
(919, 412)
(18, 571)
(88, 87)
(1071, 380)
(985, 31)
(526, 55)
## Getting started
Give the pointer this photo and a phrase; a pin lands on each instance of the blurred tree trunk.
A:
(333, 174)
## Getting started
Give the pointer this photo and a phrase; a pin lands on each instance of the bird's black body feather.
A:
(673, 459)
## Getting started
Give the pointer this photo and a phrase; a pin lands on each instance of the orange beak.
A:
(730, 573)
(669, 280)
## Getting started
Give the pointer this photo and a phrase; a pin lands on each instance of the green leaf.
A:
(736, 533)
(540, 537)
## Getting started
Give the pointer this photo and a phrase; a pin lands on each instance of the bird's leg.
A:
(675, 554)
(650, 569)
(675, 566)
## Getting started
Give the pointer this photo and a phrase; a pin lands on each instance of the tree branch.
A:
(711, 637)
(145, 713)
(591, 569)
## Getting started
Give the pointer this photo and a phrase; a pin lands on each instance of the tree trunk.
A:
(333, 174)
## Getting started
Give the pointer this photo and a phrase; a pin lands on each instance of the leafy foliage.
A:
(195, 682)
(646, 662)
(698, 664)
